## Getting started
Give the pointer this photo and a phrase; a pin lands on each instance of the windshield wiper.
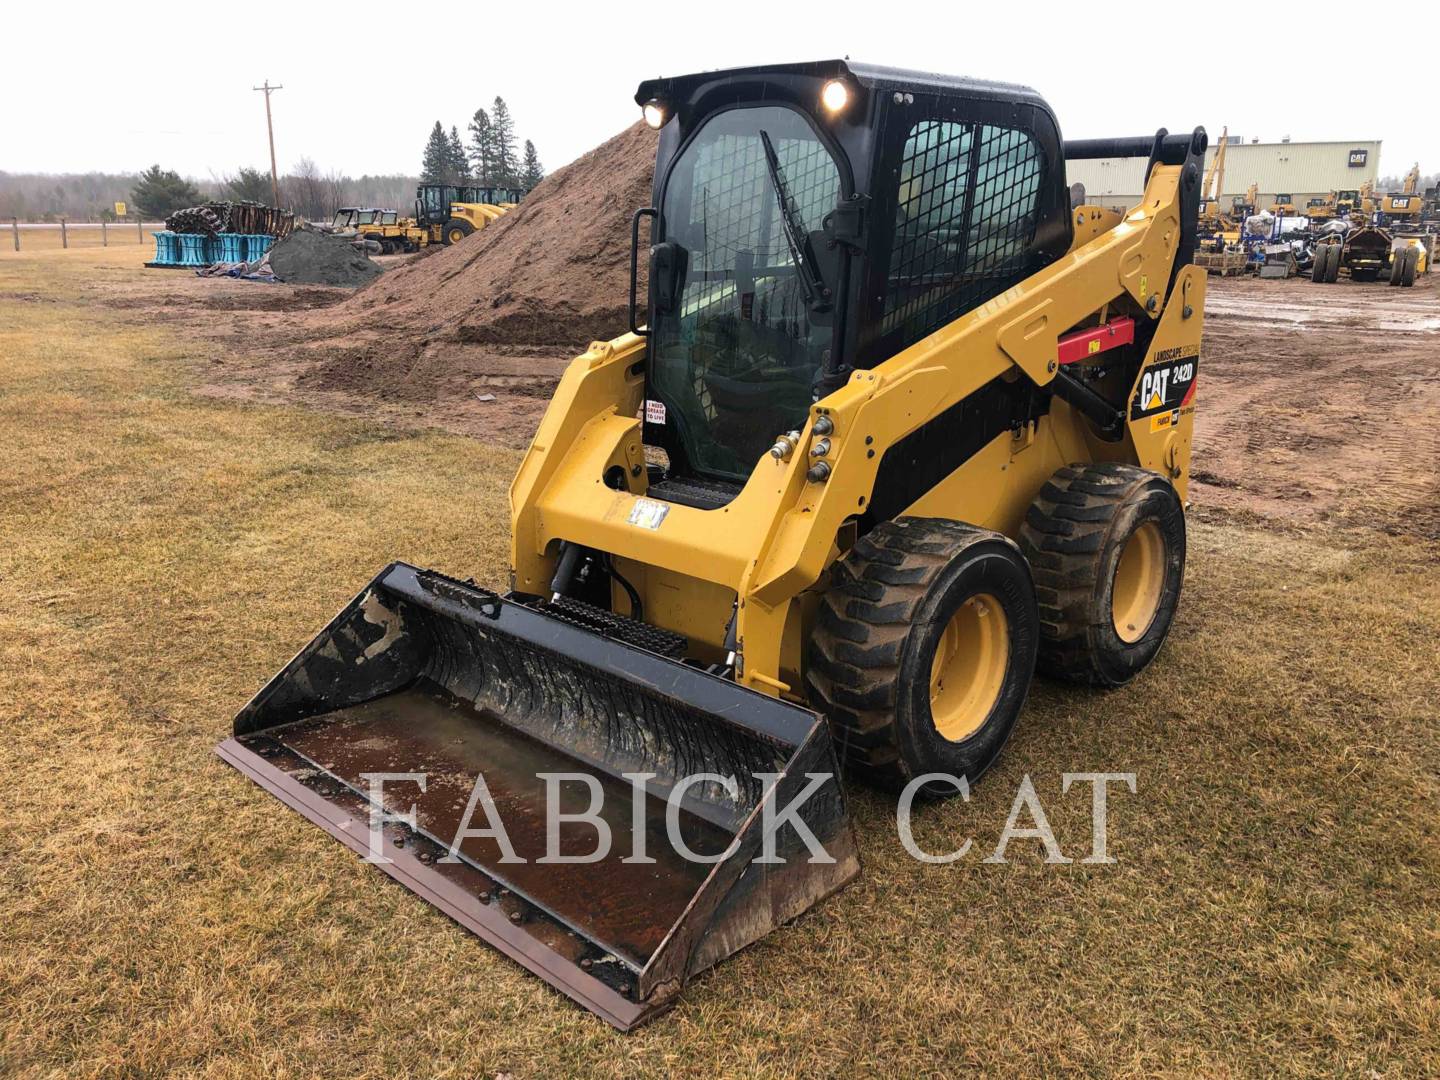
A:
(796, 238)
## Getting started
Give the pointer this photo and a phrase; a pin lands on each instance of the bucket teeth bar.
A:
(422, 676)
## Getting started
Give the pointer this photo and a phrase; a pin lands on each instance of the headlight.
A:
(835, 96)
(655, 114)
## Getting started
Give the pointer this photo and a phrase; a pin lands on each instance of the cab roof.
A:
(869, 76)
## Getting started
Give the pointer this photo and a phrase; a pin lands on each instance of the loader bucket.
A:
(448, 683)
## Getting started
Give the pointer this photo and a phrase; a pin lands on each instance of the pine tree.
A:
(481, 148)
(459, 162)
(248, 185)
(435, 165)
(531, 171)
(159, 193)
(502, 126)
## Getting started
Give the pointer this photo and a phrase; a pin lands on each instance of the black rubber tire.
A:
(1397, 267)
(1320, 269)
(879, 623)
(1407, 271)
(454, 225)
(1337, 256)
(1073, 535)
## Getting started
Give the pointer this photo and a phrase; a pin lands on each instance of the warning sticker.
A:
(647, 513)
(654, 412)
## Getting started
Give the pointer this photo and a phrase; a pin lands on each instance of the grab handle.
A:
(652, 213)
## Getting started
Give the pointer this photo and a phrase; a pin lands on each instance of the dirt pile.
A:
(307, 257)
(477, 335)
(555, 272)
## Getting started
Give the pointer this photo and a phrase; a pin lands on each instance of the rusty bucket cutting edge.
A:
(421, 674)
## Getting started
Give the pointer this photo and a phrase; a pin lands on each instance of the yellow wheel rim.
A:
(456, 236)
(1139, 581)
(968, 671)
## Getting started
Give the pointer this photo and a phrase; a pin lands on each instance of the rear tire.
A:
(1337, 256)
(1407, 272)
(1106, 543)
(1320, 269)
(1397, 267)
(924, 651)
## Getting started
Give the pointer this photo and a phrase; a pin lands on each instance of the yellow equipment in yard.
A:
(1212, 217)
(1322, 209)
(898, 426)
(447, 213)
(1405, 205)
(388, 229)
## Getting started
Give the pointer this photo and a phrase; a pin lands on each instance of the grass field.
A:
(1273, 908)
(77, 237)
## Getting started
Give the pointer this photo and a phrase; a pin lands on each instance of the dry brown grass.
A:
(1273, 910)
(78, 238)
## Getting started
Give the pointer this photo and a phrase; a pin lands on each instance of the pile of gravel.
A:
(307, 257)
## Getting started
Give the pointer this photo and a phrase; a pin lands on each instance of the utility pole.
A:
(270, 128)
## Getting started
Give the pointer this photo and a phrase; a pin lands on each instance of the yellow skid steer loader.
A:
(895, 425)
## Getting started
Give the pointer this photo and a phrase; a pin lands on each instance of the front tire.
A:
(924, 651)
(1106, 543)
(456, 229)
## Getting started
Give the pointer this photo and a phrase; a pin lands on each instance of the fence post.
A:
(64, 240)
(15, 227)
(103, 241)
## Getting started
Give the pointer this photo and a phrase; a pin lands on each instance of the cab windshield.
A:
(743, 333)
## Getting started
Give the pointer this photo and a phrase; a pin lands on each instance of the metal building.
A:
(1303, 170)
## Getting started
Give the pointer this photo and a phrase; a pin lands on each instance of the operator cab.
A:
(813, 219)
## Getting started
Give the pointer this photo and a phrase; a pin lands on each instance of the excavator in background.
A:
(1212, 218)
(894, 426)
(1403, 207)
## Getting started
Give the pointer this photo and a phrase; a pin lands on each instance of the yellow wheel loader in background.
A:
(898, 426)
(446, 214)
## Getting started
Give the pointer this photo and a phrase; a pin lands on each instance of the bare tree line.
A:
(307, 189)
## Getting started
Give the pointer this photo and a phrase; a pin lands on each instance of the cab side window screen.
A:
(965, 219)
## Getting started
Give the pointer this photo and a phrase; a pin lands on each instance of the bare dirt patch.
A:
(1318, 404)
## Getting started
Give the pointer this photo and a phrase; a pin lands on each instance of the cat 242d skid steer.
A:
(897, 425)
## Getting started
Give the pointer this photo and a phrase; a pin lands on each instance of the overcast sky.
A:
(113, 92)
